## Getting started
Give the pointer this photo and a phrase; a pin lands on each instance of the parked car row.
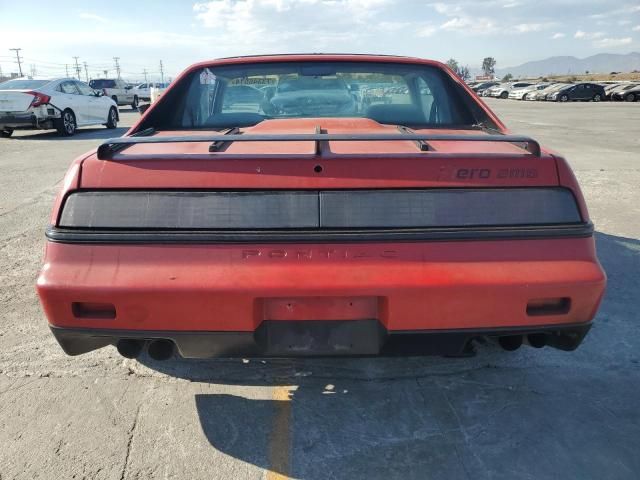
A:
(559, 91)
(628, 92)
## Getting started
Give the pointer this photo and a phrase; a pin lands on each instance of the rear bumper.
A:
(229, 291)
(43, 117)
(18, 120)
(333, 338)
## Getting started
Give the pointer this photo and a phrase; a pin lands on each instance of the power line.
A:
(98, 64)
(77, 67)
(35, 60)
(115, 59)
(17, 50)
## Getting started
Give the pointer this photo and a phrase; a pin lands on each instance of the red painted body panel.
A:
(438, 285)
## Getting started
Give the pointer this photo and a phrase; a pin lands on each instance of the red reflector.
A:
(548, 306)
(93, 310)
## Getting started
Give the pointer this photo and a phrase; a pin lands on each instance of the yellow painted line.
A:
(280, 439)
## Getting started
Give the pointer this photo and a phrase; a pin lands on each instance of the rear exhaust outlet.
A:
(129, 348)
(537, 340)
(161, 349)
(510, 343)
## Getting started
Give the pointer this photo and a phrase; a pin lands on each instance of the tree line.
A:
(488, 67)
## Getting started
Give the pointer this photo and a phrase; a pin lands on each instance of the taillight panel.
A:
(309, 209)
(447, 207)
(39, 99)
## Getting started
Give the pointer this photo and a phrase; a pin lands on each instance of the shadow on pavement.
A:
(529, 414)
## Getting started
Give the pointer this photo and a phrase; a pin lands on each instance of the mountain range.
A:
(600, 63)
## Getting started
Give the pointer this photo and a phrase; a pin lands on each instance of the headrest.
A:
(238, 119)
(396, 114)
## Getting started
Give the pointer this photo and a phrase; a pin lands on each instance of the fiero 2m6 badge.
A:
(469, 173)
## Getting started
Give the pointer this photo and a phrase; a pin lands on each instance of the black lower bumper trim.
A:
(17, 121)
(318, 338)
(105, 236)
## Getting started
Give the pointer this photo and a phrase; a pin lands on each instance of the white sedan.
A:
(61, 103)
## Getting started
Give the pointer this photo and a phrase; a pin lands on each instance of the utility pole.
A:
(115, 59)
(105, 73)
(145, 75)
(86, 71)
(33, 70)
(18, 59)
(161, 72)
(77, 67)
(66, 67)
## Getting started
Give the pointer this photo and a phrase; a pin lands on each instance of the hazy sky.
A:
(143, 32)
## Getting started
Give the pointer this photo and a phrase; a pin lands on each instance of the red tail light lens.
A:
(39, 99)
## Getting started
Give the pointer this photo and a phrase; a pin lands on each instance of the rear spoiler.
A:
(112, 145)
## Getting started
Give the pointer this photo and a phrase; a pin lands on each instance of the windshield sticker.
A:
(257, 81)
(207, 77)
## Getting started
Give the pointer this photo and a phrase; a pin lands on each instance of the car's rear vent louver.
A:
(318, 210)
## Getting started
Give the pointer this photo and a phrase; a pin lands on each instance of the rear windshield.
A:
(244, 95)
(102, 83)
(20, 84)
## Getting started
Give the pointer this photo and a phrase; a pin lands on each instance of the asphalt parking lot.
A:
(530, 414)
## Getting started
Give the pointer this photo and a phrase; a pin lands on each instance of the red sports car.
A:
(302, 220)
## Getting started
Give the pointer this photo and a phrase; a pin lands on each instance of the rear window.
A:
(102, 83)
(20, 84)
(244, 95)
